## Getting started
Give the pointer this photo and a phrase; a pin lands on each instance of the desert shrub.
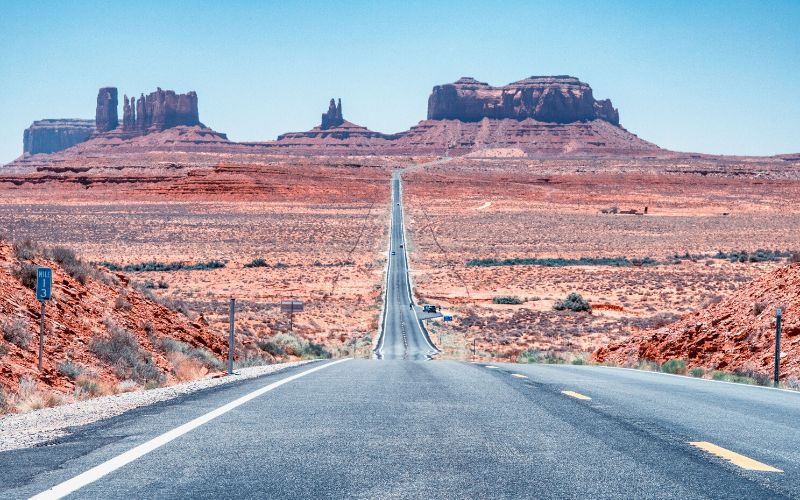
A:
(122, 351)
(790, 383)
(758, 308)
(31, 398)
(559, 262)
(163, 285)
(697, 372)
(16, 332)
(70, 369)
(89, 387)
(152, 384)
(312, 350)
(794, 258)
(271, 347)
(256, 263)
(3, 350)
(127, 386)
(573, 302)
(185, 368)
(121, 303)
(647, 365)
(281, 265)
(249, 360)
(537, 356)
(26, 250)
(26, 274)
(299, 347)
(675, 366)
(73, 266)
(4, 403)
(163, 266)
(203, 356)
(507, 300)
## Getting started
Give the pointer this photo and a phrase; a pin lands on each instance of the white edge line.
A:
(71, 485)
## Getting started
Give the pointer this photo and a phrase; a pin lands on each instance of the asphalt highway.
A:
(402, 335)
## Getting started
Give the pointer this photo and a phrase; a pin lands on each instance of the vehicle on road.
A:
(393, 252)
(429, 308)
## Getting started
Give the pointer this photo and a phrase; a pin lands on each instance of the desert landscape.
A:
(544, 228)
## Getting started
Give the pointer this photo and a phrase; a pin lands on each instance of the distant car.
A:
(401, 246)
(393, 252)
(428, 308)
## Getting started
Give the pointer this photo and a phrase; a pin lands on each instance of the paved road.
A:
(439, 429)
(402, 337)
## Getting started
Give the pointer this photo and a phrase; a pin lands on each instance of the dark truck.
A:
(429, 308)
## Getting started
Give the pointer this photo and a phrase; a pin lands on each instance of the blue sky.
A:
(716, 77)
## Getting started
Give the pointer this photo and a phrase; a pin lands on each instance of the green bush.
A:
(674, 366)
(507, 300)
(257, 263)
(163, 266)
(573, 302)
(697, 372)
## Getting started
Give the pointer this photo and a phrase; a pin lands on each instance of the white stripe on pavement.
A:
(109, 466)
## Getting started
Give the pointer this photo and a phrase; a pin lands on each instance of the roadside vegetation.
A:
(742, 256)
(153, 266)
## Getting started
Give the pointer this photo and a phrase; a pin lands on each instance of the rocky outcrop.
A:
(159, 110)
(106, 113)
(333, 118)
(49, 136)
(555, 99)
(736, 334)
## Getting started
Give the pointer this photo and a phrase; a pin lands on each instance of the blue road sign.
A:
(447, 317)
(44, 283)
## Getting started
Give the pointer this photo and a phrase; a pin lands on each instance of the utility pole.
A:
(230, 338)
(778, 316)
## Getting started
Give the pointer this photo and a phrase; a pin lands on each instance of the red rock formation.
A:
(49, 136)
(558, 99)
(737, 333)
(333, 118)
(106, 113)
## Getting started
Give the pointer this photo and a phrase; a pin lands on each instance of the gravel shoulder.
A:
(33, 428)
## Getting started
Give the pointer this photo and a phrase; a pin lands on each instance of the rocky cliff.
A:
(49, 136)
(106, 112)
(556, 99)
(159, 110)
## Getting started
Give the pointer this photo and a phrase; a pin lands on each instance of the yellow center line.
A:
(733, 457)
(489, 366)
(518, 375)
(576, 395)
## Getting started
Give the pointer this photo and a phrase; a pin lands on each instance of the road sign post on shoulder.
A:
(44, 290)
(231, 339)
(290, 307)
(778, 316)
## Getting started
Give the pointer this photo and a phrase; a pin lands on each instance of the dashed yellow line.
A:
(518, 375)
(733, 457)
(576, 395)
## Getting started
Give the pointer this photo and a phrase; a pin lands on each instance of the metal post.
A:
(230, 338)
(778, 315)
(41, 339)
(474, 347)
(291, 317)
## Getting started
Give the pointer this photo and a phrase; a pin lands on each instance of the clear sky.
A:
(713, 77)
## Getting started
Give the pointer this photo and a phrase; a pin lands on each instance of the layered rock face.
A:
(556, 99)
(333, 118)
(49, 136)
(106, 113)
(158, 111)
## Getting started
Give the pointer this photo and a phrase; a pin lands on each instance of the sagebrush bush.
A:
(697, 372)
(507, 300)
(674, 366)
(256, 263)
(203, 356)
(26, 250)
(16, 332)
(122, 351)
(573, 302)
(26, 274)
(271, 347)
(70, 369)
